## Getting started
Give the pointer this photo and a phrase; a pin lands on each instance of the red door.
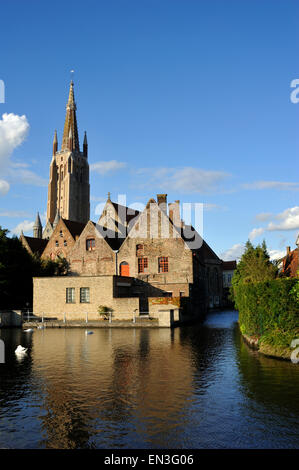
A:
(124, 269)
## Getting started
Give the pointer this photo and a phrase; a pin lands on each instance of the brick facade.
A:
(62, 240)
(95, 259)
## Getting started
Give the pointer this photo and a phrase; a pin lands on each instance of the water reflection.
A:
(192, 387)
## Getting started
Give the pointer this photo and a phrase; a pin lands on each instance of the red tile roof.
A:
(291, 263)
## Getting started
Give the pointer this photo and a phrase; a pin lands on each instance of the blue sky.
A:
(190, 98)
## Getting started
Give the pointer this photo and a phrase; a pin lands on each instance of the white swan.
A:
(21, 350)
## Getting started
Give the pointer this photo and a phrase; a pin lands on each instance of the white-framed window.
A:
(70, 295)
(84, 295)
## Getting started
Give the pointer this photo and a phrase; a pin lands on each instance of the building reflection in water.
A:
(111, 388)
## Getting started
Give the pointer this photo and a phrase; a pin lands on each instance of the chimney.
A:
(288, 250)
(174, 213)
(162, 201)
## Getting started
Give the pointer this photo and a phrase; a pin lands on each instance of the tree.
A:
(17, 268)
(254, 266)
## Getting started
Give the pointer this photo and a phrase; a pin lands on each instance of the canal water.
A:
(188, 388)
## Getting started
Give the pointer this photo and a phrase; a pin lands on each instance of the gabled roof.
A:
(125, 211)
(113, 239)
(75, 228)
(229, 265)
(36, 245)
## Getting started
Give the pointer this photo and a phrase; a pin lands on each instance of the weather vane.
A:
(72, 74)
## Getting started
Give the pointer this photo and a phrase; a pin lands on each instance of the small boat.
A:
(21, 350)
(41, 327)
(89, 332)
(29, 330)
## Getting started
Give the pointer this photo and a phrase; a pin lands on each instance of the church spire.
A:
(85, 145)
(37, 228)
(70, 125)
(57, 218)
(55, 143)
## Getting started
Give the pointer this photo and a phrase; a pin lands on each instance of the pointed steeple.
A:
(55, 143)
(37, 227)
(70, 125)
(56, 220)
(85, 145)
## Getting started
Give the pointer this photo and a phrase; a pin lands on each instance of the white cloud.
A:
(13, 131)
(286, 220)
(276, 254)
(282, 186)
(184, 180)
(4, 187)
(26, 226)
(233, 253)
(105, 167)
(26, 177)
(256, 232)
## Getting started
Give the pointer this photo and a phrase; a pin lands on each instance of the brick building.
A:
(290, 263)
(148, 261)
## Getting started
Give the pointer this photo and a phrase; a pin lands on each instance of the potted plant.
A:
(104, 311)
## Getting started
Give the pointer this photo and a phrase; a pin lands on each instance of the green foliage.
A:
(17, 268)
(269, 310)
(295, 289)
(254, 266)
(104, 311)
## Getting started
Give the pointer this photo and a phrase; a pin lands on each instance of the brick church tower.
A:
(68, 189)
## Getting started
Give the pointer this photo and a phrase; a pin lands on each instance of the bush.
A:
(269, 310)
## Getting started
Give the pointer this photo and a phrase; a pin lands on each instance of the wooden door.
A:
(124, 269)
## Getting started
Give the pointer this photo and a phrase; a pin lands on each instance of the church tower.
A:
(68, 189)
